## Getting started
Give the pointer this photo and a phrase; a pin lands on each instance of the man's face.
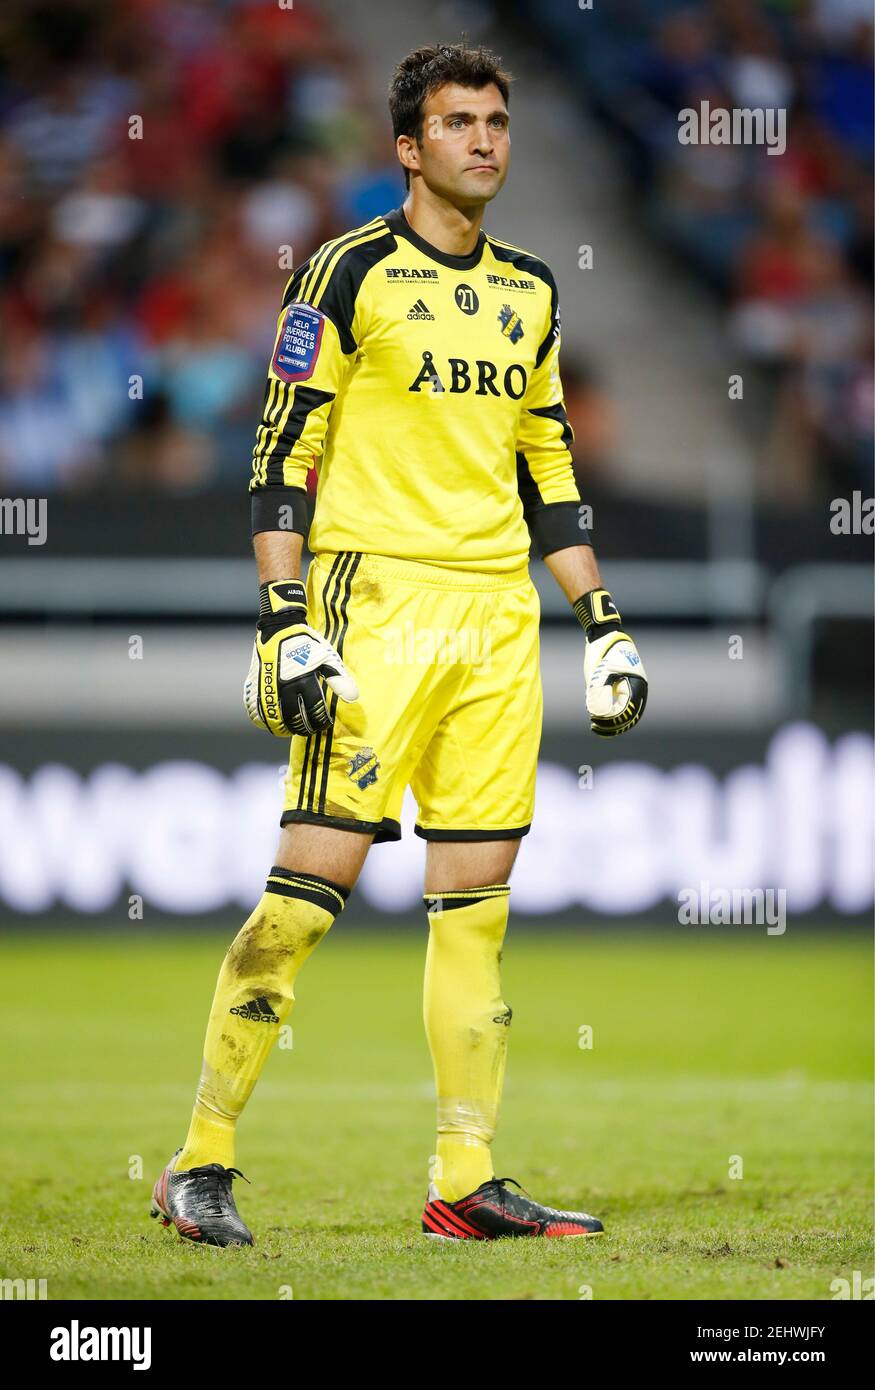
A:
(465, 148)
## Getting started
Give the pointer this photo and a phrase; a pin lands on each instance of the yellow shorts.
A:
(450, 702)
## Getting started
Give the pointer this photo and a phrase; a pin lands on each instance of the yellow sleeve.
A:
(545, 472)
(313, 350)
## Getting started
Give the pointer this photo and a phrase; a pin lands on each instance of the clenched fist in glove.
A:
(291, 665)
(616, 682)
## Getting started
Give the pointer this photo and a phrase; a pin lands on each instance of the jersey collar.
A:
(398, 223)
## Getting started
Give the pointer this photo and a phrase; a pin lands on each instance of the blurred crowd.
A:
(163, 164)
(786, 239)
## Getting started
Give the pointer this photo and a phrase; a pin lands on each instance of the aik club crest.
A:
(363, 768)
(511, 323)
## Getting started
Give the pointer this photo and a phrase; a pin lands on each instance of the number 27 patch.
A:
(297, 345)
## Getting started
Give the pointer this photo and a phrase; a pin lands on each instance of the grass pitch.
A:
(708, 1051)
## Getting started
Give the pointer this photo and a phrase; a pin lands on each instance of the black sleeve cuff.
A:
(556, 526)
(280, 509)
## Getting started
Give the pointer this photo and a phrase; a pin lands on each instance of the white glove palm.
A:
(284, 689)
(608, 665)
(616, 682)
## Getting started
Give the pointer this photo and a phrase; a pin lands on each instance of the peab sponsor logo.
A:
(402, 273)
(742, 125)
(505, 282)
(76, 1343)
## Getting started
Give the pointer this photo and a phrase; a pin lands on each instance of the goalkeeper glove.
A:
(616, 682)
(284, 690)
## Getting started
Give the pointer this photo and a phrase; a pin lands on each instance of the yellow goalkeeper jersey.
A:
(424, 388)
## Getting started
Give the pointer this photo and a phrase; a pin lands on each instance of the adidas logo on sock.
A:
(420, 311)
(257, 1011)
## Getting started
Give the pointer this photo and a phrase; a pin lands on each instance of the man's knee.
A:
(324, 850)
(456, 864)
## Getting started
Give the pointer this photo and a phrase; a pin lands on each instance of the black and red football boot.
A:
(200, 1204)
(493, 1212)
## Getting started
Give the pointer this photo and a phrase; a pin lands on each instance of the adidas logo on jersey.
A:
(420, 311)
(256, 1011)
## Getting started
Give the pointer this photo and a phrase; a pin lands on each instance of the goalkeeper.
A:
(416, 368)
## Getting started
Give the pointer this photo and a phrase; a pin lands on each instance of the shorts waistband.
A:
(425, 575)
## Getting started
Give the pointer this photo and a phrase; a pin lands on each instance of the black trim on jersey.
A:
(531, 265)
(383, 831)
(553, 331)
(290, 294)
(397, 222)
(556, 526)
(265, 509)
(556, 412)
(527, 487)
(552, 525)
(307, 399)
(515, 834)
(345, 272)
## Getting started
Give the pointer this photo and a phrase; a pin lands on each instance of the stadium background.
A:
(263, 133)
(134, 796)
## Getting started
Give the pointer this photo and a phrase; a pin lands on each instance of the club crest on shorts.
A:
(363, 768)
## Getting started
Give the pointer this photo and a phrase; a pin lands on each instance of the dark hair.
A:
(424, 70)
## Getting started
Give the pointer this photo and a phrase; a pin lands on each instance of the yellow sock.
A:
(254, 995)
(467, 1025)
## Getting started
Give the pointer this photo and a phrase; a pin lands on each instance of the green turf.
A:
(705, 1046)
